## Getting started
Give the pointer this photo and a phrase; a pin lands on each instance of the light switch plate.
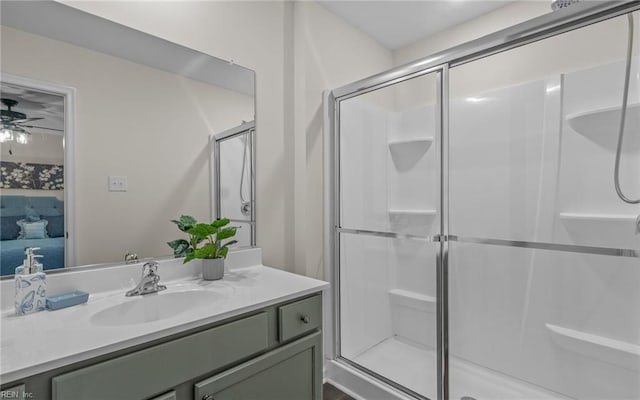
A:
(117, 183)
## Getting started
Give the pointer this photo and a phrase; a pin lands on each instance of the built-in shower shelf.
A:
(418, 301)
(598, 217)
(424, 143)
(609, 350)
(415, 213)
(604, 121)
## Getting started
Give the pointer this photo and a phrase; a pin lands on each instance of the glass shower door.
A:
(234, 181)
(389, 221)
(544, 274)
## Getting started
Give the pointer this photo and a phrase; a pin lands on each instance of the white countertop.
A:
(46, 340)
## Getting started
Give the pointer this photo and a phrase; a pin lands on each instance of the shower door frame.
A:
(552, 24)
(441, 125)
(249, 129)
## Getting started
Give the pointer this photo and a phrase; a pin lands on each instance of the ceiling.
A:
(36, 104)
(396, 24)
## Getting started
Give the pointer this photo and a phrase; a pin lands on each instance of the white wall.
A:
(130, 120)
(328, 53)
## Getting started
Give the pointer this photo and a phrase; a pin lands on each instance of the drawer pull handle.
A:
(208, 397)
(305, 319)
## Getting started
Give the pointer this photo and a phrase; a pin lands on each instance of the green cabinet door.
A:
(144, 373)
(291, 372)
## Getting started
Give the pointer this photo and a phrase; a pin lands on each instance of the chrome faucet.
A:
(148, 282)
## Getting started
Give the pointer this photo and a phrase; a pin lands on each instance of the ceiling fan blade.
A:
(41, 127)
(20, 121)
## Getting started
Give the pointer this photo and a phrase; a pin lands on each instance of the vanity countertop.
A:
(46, 340)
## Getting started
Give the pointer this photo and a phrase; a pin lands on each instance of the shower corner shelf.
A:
(409, 143)
(594, 123)
(413, 212)
(597, 217)
(609, 350)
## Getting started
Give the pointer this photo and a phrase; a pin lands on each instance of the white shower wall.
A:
(383, 284)
(413, 198)
(567, 322)
(365, 314)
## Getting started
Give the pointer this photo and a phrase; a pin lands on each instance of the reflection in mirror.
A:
(31, 177)
(233, 160)
(139, 114)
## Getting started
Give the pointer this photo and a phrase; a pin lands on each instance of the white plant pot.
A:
(212, 269)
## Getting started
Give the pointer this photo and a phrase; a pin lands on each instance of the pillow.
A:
(31, 215)
(9, 229)
(56, 226)
(32, 230)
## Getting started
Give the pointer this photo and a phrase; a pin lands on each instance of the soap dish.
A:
(67, 300)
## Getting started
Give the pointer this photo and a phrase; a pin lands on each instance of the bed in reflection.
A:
(30, 221)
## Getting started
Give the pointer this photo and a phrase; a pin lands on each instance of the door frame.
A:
(69, 94)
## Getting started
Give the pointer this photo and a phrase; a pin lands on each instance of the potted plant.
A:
(205, 242)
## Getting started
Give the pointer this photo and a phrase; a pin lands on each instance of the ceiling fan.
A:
(14, 122)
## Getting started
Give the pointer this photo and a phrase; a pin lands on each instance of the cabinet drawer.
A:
(150, 371)
(300, 317)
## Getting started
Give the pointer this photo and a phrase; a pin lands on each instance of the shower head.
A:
(558, 4)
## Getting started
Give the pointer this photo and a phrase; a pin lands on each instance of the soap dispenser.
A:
(31, 284)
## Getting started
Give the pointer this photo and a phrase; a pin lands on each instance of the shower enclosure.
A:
(233, 173)
(476, 243)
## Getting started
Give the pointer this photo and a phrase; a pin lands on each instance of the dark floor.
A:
(330, 392)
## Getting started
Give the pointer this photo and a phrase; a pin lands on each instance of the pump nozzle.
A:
(30, 263)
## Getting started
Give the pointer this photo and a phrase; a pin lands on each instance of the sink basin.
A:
(154, 307)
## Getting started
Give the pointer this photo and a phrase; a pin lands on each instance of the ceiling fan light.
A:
(23, 137)
(6, 135)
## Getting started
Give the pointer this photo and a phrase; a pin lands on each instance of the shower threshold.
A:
(414, 367)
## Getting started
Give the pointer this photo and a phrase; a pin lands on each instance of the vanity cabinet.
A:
(271, 353)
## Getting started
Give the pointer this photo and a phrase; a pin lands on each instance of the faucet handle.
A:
(130, 258)
(150, 268)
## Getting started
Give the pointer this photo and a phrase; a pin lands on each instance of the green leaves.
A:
(226, 233)
(213, 233)
(189, 257)
(223, 252)
(185, 222)
(180, 247)
(201, 231)
(219, 223)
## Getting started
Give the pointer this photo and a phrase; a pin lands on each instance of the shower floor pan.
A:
(411, 366)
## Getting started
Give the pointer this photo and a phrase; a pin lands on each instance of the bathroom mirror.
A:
(136, 113)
